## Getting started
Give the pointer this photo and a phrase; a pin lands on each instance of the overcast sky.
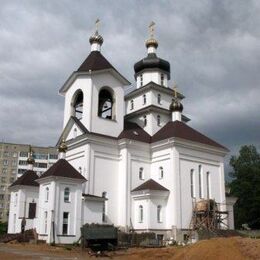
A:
(213, 48)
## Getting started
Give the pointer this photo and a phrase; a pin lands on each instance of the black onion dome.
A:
(176, 105)
(96, 38)
(152, 62)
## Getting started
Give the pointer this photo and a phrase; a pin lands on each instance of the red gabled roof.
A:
(62, 168)
(150, 185)
(134, 132)
(28, 179)
(182, 130)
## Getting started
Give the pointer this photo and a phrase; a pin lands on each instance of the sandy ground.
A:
(220, 248)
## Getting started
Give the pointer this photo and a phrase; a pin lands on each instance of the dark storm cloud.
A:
(213, 48)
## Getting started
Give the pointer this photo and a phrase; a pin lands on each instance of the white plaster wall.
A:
(146, 214)
(74, 132)
(106, 126)
(92, 212)
(154, 76)
(154, 224)
(104, 178)
(83, 83)
(192, 162)
(14, 223)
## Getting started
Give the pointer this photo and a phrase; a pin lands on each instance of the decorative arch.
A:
(77, 104)
(106, 103)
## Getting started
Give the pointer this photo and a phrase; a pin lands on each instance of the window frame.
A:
(67, 197)
(141, 173)
(141, 214)
(159, 214)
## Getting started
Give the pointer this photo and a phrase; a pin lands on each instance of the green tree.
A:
(246, 186)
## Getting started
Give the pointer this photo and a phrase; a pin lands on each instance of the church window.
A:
(45, 221)
(145, 121)
(141, 80)
(78, 104)
(46, 194)
(200, 181)
(159, 98)
(141, 214)
(162, 79)
(105, 104)
(67, 194)
(104, 195)
(159, 214)
(141, 173)
(144, 99)
(192, 190)
(208, 184)
(16, 199)
(75, 133)
(158, 120)
(160, 172)
(132, 104)
(65, 223)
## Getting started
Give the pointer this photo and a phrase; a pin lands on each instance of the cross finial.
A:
(175, 87)
(151, 29)
(97, 24)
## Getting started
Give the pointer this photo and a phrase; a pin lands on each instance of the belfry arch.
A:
(106, 103)
(77, 104)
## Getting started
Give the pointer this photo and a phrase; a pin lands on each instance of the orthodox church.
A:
(129, 160)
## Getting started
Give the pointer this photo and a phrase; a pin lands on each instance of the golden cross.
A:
(175, 87)
(97, 24)
(151, 29)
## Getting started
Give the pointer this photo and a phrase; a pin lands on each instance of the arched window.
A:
(159, 98)
(105, 104)
(162, 79)
(144, 99)
(131, 104)
(75, 133)
(46, 194)
(200, 181)
(141, 173)
(208, 185)
(159, 214)
(15, 199)
(141, 80)
(158, 120)
(141, 214)
(77, 104)
(192, 188)
(104, 195)
(67, 194)
(145, 121)
(160, 172)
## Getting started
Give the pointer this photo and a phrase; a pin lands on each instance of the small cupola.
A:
(152, 62)
(30, 160)
(96, 40)
(62, 149)
(176, 107)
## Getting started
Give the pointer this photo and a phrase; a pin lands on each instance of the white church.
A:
(129, 160)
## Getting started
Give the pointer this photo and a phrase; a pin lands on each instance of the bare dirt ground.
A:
(235, 248)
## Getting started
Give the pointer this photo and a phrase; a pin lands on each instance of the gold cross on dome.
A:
(97, 24)
(151, 29)
(175, 87)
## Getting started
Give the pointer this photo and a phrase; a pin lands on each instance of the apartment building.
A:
(13, 163)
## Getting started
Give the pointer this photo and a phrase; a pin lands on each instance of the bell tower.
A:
(94, 94)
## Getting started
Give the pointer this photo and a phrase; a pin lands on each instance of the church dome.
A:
(96, 38)
(176, 106)
(152, 62)
(151, 43)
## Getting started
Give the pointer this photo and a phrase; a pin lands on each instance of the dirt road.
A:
(220, 248)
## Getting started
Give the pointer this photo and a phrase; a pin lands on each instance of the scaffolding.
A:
(207, 216)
